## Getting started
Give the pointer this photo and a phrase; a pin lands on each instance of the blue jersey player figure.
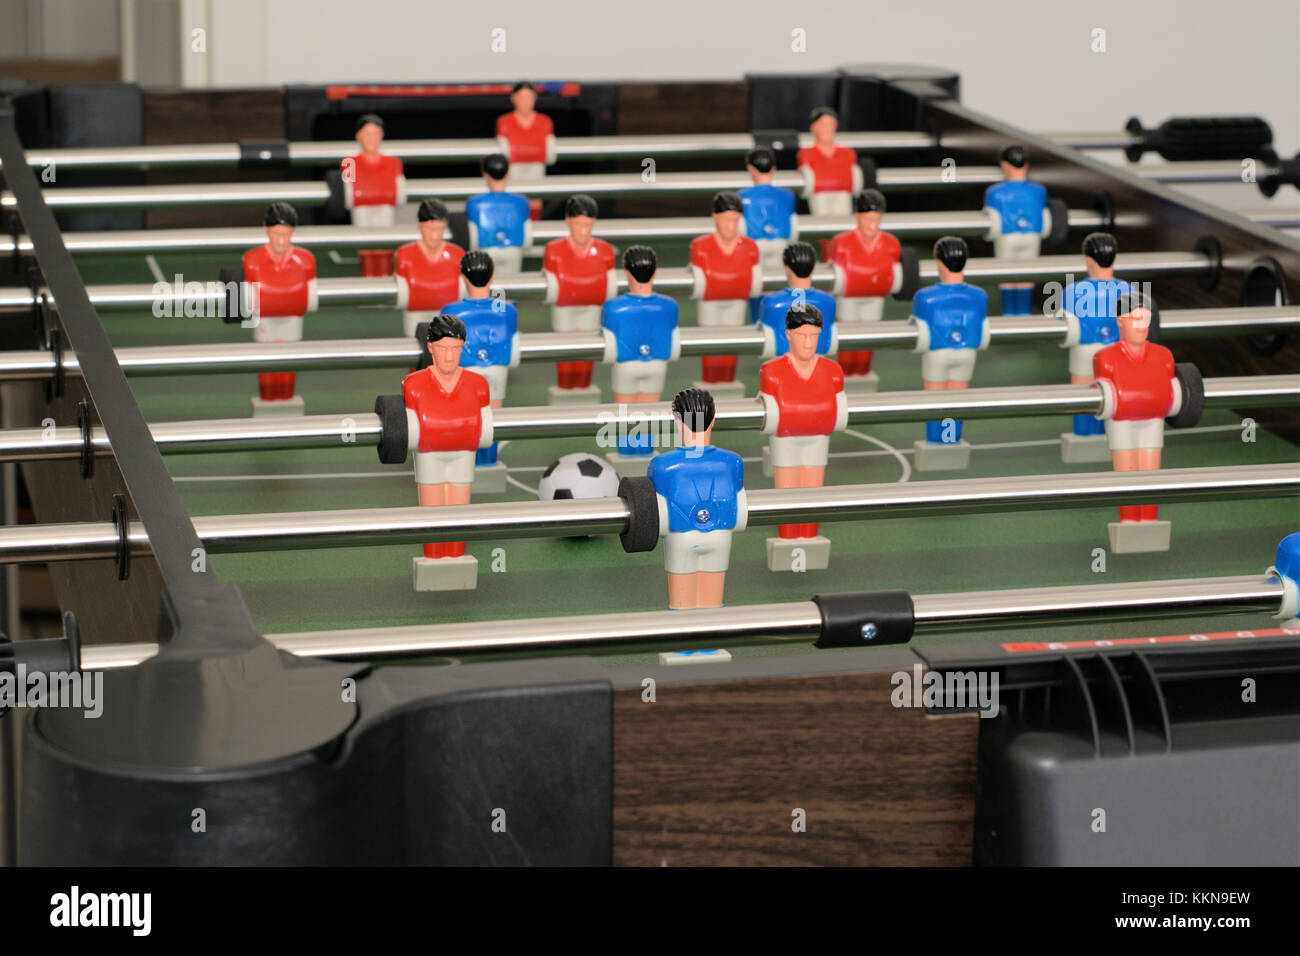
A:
(1018, 222)
(491, 348)
(769, 211)
(498, 220)
(1286, 568)
(1088, 309)
(641, 338)
(701, 494)
(799, 260)
(951, 320)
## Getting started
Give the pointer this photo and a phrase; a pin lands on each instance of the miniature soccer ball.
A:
(578, 475)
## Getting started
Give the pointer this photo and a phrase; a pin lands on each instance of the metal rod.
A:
(351, 528)
(364, 429)
(240, 238)
(208, 299)
(795, 620)
(603, 184)
(336, 354)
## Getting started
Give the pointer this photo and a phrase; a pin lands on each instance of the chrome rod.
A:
(350, 528)
(794, 620)
(364, 429)
(193, 299)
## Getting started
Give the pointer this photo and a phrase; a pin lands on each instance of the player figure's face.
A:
(803, 341)
(1133, 327)
(580, 228)
(369, 137)
(432, 232)
(446, 354)
(523, 101)
(869, 223)
(280, 239)
(824, 129)
(728, 224)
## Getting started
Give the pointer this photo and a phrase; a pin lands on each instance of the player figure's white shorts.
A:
(1149, 433)
(527, 172)
(575, 318)
(800, 451)
(374, 215)
(686, 552)
(440, 467)
(496, 379)
(1017, 245)
(411, 319)
(770, 252)
(506, 260)
(718, 312)
(859, 308)
(948, 365)
(631, 378)
(1081, 359)
(282, 328)
(831, 204)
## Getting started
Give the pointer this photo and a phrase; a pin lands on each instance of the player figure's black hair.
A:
(280, 213)
(477, 268)
(1126, 302)
(803, 314)
(366, 119)
(641, 261)
(1015, 155)
(522, 85)
(445, 327)
(1101, 248)
(432, 209)
(952, 252)
(761, 158)
(799, 258)
(580, 205)
(693, 407)
(869, 200)
(820, 111)
(495, 166)
(727, 201)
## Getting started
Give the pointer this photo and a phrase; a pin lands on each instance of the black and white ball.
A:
(579, 475)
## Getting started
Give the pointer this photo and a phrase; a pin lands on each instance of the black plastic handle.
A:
(1202, 138)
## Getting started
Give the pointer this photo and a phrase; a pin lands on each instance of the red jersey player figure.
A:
(803, 402)
(832, 176)
(283, 279)
(448, 418)
(1139, 390)
(373, 187)
(527, 138)
(701, 495)
(580, 276)
(728, 273)
(867, 269)
(428, 270)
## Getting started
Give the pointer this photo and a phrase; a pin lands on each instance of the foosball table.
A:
(937, 645)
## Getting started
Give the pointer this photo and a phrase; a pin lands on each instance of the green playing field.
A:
(362, 587)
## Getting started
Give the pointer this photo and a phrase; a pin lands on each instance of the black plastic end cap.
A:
(1209, 279)
(1287, 173)
(642, 531)
(392, 422)
(865, 618)
(911, 267)
(1060, 230)
(868, 166)
(1134, 151)
(1104, 207)
(336, 206)
(1189, 379)
(1265, 285)
(232, 281)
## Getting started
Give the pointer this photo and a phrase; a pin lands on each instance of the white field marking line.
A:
(339, 260)
(152, 263)
(889, 449)
(520, 484)
(521, 469)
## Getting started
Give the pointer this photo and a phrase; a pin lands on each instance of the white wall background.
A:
(1029, 63)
